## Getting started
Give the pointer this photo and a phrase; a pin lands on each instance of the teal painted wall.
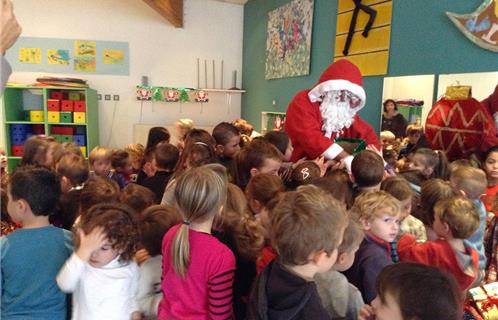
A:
(423, 41)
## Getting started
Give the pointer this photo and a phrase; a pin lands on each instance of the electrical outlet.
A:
(99, 96)
(115, 97)
(107, 97)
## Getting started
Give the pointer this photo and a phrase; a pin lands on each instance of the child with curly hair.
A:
(101, 273)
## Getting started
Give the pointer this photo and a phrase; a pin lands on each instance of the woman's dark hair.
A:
(156, 135)
(279, 139)
(421, 292)
(390, 100)
(488, 152)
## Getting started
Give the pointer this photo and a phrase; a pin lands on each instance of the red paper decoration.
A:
(460, 128)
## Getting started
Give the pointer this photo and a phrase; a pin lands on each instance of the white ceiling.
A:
(234, 1)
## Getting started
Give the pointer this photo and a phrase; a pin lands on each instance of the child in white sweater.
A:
(101, 274)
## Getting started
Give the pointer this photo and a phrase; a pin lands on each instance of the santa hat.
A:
(340, 75)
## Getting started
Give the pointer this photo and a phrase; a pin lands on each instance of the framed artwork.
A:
(288, 40)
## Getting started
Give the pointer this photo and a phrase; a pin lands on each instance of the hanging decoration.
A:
(460, 126)
(480, 26)
(170, 95)
(144, 93)
(201, 96)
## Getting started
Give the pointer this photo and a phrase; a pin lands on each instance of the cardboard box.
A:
(67, 105)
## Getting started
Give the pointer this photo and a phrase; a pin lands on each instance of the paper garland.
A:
(169, 94)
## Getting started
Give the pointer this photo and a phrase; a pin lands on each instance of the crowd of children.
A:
(223, 226)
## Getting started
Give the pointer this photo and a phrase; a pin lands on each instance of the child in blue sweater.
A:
(32, 256)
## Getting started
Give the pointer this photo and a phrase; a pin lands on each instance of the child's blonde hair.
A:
(185, 124)
(470, 180)
(353, 236)
(100, 153)
(199, 193)
(306, 221)
(387, 135)
(135, 149)
(461, 215)
(368, 204)
(398, 187)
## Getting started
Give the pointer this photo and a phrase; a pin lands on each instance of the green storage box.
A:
(66, 117)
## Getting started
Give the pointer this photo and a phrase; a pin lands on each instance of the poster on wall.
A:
(288, 40)
(480, 26)
(363, 34)
(30, 54)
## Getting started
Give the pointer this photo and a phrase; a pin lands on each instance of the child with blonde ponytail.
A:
(198, 270)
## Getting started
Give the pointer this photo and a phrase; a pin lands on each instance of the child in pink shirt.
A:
(198, 270)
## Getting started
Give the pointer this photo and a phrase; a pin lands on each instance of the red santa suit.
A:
(305, 122)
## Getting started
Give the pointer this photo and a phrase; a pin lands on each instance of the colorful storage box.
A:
(66, 138)
(79, 139)
(36, 115)
(56, 95)
(57, 137)
(19, 129)
(18, 140)
(53, 105)
(80, 130)
(74, 96)
(67, 105)
(79, 117)
(83, 150)
(17, 151)
(37, 128)
(54, 116)
(66, 117)
(80, 106)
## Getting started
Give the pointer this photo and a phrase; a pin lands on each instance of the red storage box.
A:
(58, 95)
(80, 106)
(17, 151)
(67, 105)
(53, 105)
(37, 128)
(66, 131)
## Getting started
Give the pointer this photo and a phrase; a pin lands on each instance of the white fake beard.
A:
(336, 115)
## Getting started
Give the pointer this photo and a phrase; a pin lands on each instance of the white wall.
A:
(419, 87)
(167, 55)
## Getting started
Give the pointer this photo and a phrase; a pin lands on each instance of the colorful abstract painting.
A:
(288, 42)
(113, 56)
(30, 55)
(58, 56)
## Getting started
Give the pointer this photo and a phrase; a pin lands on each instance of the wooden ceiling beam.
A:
(172, 10)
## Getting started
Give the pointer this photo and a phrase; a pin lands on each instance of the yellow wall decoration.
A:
(370, 54)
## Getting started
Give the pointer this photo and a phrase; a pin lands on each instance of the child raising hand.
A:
(101, 274)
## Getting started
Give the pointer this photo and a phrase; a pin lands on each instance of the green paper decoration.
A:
(183, 96)
(157, 95)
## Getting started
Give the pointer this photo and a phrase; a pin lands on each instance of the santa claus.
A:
(317, 116)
